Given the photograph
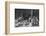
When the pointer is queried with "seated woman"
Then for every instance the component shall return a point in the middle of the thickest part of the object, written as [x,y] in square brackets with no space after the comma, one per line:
[35,21]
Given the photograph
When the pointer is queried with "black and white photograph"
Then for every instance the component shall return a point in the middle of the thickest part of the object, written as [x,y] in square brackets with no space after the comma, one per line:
[26,17]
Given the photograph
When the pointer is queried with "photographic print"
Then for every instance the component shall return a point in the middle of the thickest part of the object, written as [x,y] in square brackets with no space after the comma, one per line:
[23,17]
[26,17]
